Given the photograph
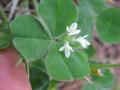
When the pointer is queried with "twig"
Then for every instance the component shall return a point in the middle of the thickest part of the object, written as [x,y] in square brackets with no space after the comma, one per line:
[8,5]
[13,8]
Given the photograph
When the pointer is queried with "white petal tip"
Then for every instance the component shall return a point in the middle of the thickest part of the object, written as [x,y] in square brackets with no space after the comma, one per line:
[67,56]
[67,28]
[74,23]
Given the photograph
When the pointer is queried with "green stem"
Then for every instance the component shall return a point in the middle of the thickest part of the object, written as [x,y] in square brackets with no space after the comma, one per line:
[52,85]
[108,65]
[41,19]
[2,13]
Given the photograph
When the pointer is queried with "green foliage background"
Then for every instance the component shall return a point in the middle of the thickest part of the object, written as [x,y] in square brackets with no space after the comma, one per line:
[35,37]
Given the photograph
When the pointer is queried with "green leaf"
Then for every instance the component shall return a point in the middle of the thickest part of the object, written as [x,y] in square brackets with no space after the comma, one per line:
[53,85]
[108,25]
[106,80]
[99,5]
[61,68]
[87,12]
[30,38]
[94,86]
[5,40]
[91,51]
[38,79]
[4,27]
[85,17]
[27,26]
[31,48]
[57,14]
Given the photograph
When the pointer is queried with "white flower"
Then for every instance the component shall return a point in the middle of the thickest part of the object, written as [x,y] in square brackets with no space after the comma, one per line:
[72,30]
[83,41]
[66,48]
[100,72]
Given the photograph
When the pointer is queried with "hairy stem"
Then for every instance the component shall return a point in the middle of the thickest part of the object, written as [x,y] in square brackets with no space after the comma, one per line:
[109,65]
[105,65]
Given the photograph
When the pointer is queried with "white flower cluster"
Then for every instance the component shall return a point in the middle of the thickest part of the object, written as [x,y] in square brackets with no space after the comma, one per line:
[72,31]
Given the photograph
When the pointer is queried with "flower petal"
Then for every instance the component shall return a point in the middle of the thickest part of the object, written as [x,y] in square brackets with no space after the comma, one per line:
[67,53]
[70,48]
[79,39]
[73,26]
[84,43]
[62,48]
[76,32]
[67,28]
[85,36]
